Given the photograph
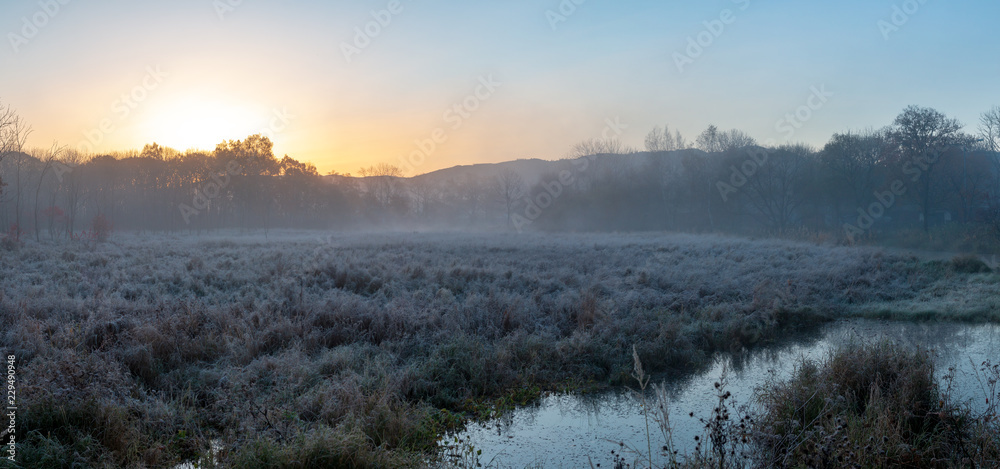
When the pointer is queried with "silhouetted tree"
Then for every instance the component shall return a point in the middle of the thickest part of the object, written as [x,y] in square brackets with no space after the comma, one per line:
[382,183]
[600,146]
[713,140]
[508,189]
[14,133]
[989,129]
[921,137]
[662,140]
[854,166]
[780,186]
[708,140]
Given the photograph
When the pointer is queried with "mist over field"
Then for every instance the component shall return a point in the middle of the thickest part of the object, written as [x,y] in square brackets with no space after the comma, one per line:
[372,234]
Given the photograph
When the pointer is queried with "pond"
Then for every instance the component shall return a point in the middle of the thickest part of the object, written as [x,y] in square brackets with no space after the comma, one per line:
[570,431]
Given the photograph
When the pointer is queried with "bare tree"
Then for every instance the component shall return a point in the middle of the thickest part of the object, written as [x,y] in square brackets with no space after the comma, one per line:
[382,182]
[989,129]
[989,132]
[660,139]
[472,196]
[598,146]
[714,140]
[709,140]
[734,140]
[72,185]
[780,187]
[14,133]
[48,163]
[508,189]
[679,141]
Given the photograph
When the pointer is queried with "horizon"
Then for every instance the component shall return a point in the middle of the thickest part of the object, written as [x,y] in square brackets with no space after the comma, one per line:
[345,86]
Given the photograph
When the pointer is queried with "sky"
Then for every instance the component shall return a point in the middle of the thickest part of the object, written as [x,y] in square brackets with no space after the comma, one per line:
[426,84]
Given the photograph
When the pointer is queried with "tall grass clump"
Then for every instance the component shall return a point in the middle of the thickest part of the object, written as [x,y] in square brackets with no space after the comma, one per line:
[874,405]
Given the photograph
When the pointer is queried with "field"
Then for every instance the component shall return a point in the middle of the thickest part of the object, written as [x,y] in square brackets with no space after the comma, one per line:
[308,349]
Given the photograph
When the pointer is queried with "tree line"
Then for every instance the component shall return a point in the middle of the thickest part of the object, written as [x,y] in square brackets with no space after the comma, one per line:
[920,172]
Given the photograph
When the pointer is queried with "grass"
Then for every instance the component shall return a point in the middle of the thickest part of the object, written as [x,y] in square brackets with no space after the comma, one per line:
[865,405]
[967,238]
[362,350]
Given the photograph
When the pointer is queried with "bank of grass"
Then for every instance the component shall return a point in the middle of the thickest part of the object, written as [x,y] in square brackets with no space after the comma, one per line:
[961,238]
[361,350]
[966,290]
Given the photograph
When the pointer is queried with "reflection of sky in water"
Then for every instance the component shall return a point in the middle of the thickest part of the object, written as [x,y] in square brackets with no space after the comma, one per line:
[561,431]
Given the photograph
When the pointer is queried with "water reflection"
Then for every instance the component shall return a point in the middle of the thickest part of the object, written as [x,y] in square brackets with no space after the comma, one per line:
[563,431]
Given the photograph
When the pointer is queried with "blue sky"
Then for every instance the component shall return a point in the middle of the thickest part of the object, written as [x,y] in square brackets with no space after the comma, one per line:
[228,76]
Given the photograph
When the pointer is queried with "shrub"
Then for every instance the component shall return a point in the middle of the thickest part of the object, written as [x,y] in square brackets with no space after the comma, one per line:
[101,228]
[11,240]
[872,406]
[969,264]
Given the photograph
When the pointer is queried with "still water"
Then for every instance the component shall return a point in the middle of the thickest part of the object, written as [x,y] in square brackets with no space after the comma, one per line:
[571,431]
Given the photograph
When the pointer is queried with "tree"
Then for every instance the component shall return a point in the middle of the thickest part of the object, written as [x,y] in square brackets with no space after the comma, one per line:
[50,161]
[14,133]
[152,150]
[709,140]
[969,180]
[73,185]
[780,186]
[679,141]
[255,164]
[989,132]
[921,136]
[508,189]
[734,140]
[382,183]
[660,140]
[713,140]
[989,129]
[289,166]
[598,146]
[854,162]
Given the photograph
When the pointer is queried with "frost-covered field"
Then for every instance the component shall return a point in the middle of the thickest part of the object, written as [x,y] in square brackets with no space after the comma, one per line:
[311,347]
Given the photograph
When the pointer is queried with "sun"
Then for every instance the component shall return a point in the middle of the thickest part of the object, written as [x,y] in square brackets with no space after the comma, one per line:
[198,122]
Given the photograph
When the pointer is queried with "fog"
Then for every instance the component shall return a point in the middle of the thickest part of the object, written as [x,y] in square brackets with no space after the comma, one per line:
[920,174]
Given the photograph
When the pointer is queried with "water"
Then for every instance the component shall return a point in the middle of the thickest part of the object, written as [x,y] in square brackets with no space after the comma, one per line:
[571,431]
